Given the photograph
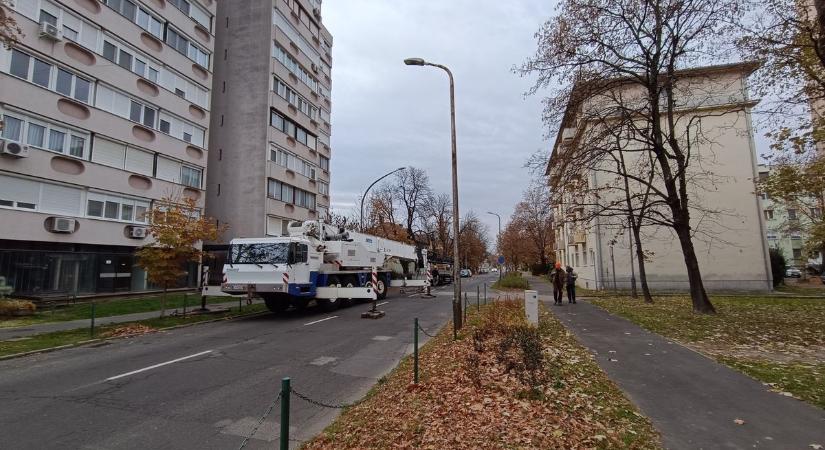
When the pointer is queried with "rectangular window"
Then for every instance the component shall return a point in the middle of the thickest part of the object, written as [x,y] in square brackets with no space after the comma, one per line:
[12,128]
[94,208]
[41,73]
[36,135]
[191,177]
[149,23]
[769,214]
[42,134]
[19,64]
[797,253]
[56,140]
[792,214]
[64,82]
[109,51]
[324,163]
[77,145]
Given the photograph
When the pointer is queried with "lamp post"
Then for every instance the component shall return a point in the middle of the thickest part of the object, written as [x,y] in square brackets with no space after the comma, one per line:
[456,279]
[498,240]
[363,197]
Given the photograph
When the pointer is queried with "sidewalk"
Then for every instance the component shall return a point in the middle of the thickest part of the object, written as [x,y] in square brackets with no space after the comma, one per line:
[22,332]
[691,399]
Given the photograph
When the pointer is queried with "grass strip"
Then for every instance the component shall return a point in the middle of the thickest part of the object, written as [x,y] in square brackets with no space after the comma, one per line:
[47,341]
[107,308]
[472,394]
[775,340]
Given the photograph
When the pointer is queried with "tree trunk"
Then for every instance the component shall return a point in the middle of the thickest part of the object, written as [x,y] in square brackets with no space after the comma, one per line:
[819,5]
[701,302]
[640,256]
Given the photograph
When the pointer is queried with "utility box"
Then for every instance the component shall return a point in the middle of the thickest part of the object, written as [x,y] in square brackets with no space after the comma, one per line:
[531,307]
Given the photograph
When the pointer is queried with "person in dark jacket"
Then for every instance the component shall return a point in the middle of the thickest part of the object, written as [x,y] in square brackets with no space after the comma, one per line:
[571,285]
[557,276]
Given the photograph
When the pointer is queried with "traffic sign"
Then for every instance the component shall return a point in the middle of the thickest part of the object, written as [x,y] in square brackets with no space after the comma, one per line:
[501,259]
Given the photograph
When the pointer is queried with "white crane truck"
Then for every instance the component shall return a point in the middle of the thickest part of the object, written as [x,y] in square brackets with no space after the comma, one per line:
[319,262]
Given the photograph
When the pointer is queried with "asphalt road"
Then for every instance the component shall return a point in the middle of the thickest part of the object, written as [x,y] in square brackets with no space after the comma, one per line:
[206,386]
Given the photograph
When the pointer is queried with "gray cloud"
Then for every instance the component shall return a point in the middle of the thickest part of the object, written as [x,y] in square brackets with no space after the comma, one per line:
[386,115]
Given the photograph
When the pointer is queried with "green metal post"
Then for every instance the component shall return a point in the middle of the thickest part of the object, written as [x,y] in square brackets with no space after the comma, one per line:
[92,330]
[285,394]
[185,298]
[485,293]
[415,352]
[465,306]
[478,298]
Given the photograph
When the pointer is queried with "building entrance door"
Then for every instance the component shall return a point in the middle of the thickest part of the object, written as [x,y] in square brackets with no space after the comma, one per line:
[115,273]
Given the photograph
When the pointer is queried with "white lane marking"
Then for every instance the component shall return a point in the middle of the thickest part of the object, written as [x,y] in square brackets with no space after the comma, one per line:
[379,304]
[157,365]
[317,321]
[322,360]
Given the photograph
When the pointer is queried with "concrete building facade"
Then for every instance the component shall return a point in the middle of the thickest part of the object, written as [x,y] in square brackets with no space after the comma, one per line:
[784,227]
[726,216]
[270,155]
[106,111]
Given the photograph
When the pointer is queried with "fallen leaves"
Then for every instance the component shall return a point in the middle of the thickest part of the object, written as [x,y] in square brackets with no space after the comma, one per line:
[574,406]
[128,330]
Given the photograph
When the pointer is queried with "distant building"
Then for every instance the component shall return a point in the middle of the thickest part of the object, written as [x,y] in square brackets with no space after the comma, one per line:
[730,246]
[785,228]
[106,109]
[271,122]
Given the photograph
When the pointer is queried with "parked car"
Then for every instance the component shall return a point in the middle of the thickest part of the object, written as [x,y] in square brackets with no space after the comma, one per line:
[494,270]
[793,272]
[465,273]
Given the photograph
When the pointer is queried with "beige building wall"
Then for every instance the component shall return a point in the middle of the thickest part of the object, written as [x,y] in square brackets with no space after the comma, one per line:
[725,215]
[111,101]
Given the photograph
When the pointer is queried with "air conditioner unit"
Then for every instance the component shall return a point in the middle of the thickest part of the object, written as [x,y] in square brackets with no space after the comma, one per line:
[314,67]
[49,31]
[317,13]
[14,149]
[62,225]
[137,232]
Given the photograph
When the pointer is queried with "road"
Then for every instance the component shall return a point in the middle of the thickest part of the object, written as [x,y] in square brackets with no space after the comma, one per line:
[206,386]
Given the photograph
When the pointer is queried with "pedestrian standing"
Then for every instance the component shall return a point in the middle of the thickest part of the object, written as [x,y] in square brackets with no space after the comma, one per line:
[571,285]
[557,276]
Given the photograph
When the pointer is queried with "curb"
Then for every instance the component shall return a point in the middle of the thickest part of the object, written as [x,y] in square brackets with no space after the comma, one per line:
[96,340]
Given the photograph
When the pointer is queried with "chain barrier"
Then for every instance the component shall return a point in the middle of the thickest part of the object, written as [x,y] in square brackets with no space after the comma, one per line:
[255,429]
[327,405]
[425,332]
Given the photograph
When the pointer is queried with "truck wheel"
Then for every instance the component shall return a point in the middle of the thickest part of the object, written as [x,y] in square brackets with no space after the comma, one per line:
[381,289]
[299,303]
[276,304]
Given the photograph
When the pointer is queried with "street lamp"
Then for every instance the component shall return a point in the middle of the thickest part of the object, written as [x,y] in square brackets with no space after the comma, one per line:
[363,197]
[456,279]
[498,241]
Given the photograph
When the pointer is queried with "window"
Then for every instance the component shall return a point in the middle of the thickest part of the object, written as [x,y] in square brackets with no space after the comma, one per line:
[797,253]
[324,163]
[190,176]
[180,43]
[128,58]
[295,99]
[816,213]
[289,62]
[23,193]
[142,114]
[796,235]
[125,8]
[769,214]
[323,188]
[48,76]
[114,207]
[792,214]
[149,23]
[292,129]
[290,194]
[45,135]
[182,5]
[48,17]
[181,129]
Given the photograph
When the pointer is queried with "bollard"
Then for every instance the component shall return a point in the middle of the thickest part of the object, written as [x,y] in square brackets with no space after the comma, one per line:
[185,297]
[465,306]
[240,304]
[285,394]
[478,299]
[415,352]
[485,294]
[92,330]
[531,306]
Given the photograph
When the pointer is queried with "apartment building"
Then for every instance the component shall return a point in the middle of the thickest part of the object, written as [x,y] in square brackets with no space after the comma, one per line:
[726,217]
[106,111]
[785,226]
[270,142]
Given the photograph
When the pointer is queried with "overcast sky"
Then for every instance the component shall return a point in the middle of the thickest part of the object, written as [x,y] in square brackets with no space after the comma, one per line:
[387,115]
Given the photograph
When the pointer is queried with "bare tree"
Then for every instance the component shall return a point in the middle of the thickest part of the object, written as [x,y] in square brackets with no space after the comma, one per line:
[437,219]
[413,191]
[534,215]
[596,48]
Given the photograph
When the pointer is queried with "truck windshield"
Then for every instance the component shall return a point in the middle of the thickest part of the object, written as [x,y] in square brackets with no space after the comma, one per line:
[268,253]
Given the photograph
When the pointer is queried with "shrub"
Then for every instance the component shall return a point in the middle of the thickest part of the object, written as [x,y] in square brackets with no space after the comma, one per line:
[512,280]
[540,269]
[778,266]
[10,307]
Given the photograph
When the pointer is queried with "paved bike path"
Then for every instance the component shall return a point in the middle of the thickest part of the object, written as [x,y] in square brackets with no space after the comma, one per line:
[692,400]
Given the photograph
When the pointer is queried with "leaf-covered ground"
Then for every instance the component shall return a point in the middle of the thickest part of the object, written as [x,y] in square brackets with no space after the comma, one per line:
[777,340]
[468,399]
